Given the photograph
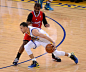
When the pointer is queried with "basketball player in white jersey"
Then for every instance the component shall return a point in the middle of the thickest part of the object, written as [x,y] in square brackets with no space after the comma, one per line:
[40,37]
[35,18]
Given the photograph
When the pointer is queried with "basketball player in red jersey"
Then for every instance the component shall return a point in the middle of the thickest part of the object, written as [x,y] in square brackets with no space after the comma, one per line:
[35,19]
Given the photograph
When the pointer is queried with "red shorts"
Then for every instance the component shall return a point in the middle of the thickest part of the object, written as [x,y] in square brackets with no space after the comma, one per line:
[27,37]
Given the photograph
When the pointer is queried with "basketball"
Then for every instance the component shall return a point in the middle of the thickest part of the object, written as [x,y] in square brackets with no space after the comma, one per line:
[49,48]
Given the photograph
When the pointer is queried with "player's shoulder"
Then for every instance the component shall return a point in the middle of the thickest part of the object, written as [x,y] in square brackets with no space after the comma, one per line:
[31,27]
[41,11]
[32,12]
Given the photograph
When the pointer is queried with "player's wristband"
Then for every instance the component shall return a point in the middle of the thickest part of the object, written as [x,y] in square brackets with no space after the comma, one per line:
[52,42]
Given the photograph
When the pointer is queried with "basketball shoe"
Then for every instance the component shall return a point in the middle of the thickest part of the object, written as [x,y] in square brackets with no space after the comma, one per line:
[15,62]
[57,59]
[48,7]
[34,65]
[73,57]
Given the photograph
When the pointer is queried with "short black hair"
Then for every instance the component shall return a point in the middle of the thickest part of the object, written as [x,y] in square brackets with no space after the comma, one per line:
[37,5]
[24,24]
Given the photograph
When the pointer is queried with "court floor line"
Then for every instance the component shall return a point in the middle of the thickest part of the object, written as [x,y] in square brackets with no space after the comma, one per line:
[46,52]
[65,4]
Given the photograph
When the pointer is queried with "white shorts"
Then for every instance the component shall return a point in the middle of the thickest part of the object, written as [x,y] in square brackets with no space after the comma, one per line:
[36,44]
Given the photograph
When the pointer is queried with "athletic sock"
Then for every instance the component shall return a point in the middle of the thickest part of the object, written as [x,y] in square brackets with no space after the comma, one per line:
[69,54]
[34,59]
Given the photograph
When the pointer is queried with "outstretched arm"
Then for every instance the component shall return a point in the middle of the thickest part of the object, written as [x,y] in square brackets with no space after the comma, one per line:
[35,32]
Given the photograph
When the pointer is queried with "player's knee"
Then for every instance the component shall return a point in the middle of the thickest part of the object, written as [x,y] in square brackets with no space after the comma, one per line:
[27,49]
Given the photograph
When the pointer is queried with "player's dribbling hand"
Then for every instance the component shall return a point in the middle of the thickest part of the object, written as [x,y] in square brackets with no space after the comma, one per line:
[53,44]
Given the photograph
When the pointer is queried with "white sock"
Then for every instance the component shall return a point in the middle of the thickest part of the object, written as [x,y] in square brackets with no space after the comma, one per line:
[34,59]
[69,54]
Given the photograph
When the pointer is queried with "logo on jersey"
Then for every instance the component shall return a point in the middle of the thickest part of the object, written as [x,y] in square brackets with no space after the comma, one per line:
[36,22]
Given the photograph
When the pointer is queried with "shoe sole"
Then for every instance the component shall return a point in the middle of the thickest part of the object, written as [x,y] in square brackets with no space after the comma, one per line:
[34,67]
[15,64]
[58,60]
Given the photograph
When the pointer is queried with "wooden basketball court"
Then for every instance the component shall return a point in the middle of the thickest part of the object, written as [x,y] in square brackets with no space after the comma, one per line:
[67,29]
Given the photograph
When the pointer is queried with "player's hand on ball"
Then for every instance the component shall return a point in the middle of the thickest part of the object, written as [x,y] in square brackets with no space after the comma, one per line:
[54,46]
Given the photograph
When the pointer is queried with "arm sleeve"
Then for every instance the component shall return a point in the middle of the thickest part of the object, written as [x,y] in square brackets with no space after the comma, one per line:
[29,18]
[44,20]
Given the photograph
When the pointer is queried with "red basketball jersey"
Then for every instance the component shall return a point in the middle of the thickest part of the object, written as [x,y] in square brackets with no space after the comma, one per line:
[37,20]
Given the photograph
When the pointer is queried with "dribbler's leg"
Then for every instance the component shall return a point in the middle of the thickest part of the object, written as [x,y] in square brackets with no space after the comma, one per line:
[55,58]
[62,53]
[47,6]
[28,47]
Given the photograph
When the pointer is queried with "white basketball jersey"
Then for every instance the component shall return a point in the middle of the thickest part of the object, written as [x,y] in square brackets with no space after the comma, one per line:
[41,31]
